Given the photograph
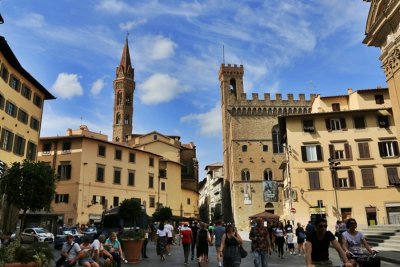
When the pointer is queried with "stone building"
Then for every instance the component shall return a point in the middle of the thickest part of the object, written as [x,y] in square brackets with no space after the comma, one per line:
[343,160]
[22,100]
[252,148]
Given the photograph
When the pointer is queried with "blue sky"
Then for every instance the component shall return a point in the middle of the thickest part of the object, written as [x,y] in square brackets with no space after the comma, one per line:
[294,46]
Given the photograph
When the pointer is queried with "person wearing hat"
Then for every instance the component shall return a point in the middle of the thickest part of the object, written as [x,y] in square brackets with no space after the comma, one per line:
[70,252]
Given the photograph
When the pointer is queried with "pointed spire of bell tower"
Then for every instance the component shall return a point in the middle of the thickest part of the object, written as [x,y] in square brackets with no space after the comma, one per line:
[124,88]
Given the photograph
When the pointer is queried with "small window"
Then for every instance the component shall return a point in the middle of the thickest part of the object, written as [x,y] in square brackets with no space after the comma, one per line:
[22,116]
[117,176]
[118,154]
[313,177]
[66,147]
[363,149]
[31,151]
[151,162]
[4,73]
[367,175]
[7,139]
[151,181]
[61,198]
[162,186]
[383,121]
[393,175]
[131,178]
[101,151]
[152,202]
[359,122]
[265,148]
[245,175]
[100,173]
[34,124]
[308,126]
[379,99]
[335,107]
[15,83]
[335,124]
[19,145]
[46,148]
[188,201]
[268,175]
[26,92]
[64,170]
[116,201]
[37,100]
[132,157]
[244,148]
[11,109]
[155,137]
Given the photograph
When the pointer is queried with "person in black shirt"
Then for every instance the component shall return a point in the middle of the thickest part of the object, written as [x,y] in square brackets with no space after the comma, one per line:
[317,246]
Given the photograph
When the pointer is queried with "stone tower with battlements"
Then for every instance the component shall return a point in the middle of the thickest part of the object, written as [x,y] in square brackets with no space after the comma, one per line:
[252,150]
[124,87]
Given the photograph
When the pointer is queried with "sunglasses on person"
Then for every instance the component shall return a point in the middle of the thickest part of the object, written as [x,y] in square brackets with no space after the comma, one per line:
[322,226]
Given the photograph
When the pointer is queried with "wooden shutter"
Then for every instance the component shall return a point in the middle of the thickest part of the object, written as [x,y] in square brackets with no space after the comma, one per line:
[328,124]
[343,124]
[66,198]
[395,148]
[382,151]
[368,177]
[331,151]
[352,182]
[303,153]
[347,151]
[363,149]
[68,172]
[319,152]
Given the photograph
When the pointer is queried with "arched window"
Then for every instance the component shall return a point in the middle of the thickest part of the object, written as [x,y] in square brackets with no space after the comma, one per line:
[276,140]
[232,86]
[119,98]
[268,175]
[118,119]
[245,175]
[128,99]
[126,119]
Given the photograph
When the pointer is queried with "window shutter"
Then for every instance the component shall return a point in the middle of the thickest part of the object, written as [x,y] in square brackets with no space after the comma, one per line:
[66,198]
[347,151]
[352,181]
[328,124]
[331,151]
[343,124]
[59,170]
[364,150]
[395,148]
[303,153]
[10,141]
[68,172]
[56,199]
[382,151]
[319,152]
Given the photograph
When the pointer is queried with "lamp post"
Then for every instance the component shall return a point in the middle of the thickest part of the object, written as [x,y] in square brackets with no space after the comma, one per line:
[333,166]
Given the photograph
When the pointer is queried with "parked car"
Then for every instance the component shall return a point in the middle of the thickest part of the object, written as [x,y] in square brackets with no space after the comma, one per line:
[36,234]
[60,237]
[91,232]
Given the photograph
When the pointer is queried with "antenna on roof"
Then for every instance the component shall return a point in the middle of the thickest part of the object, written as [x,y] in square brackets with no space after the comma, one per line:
[223,54]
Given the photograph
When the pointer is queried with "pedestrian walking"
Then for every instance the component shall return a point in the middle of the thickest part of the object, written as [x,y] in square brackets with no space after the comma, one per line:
[186,239]
[290,243]
[170,233]
[194,228]
[280,238]
[230,247]
[203,240]
[301,237]
[145,242]
[216,237]
[161,241]
[260,243]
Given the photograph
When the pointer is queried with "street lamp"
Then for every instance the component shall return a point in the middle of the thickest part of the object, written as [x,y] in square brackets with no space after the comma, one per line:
[333,166]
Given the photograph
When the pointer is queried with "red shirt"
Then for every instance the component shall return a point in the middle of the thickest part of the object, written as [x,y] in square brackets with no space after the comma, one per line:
[186,234]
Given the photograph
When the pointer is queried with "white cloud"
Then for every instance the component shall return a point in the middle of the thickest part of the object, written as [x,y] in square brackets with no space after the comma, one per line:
[129,25]
[157,47]
[160,88]
[97,86]
[112,6]
[31,20]
[210,123]
[67,85]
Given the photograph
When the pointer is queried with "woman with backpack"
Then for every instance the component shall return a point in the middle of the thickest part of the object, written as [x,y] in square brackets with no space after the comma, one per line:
[301,237]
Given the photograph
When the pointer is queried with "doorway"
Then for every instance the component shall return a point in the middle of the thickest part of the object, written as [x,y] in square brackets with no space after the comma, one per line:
[371,215]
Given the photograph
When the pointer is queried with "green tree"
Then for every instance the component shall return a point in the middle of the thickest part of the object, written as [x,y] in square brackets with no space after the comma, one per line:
[29,186]
[162,214]
[130,210]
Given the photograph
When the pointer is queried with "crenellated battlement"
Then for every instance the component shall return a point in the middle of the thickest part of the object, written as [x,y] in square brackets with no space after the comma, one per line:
[278,101]
[231,70]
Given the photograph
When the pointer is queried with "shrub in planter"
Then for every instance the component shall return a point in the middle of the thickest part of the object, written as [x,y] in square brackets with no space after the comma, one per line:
[39,253]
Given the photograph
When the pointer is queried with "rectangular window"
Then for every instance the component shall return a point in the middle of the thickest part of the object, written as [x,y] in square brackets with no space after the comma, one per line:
[19,145]
[26,92]
[311,153]
[335,124]
[151,181]
[4,73]
[188,201]
[388,148]
[345,179]
[118,154]
[11,109]
[308,126]
[61,198]
[64,170]
[22,116]
[162,186]
[117,176]
[244,148]
[363,149]
[15,83]
[131,178]
[383,121]
[66,147]
[359,122]
[265,148]
[379,99]
[101,151]
[46,148]
[37,100]
[340,151]
[7,139]
[116,201]
[100,173]
[34,124]
[313,177]
[335,107]
[31,151]
[152,202]
[367,175]
[132,157]
[151,162]
[393,175]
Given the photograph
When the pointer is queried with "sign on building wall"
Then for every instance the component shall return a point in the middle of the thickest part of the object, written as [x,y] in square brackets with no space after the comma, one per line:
[247,194]
[270,189]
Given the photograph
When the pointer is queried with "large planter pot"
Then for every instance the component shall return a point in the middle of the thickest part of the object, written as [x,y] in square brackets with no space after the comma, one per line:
[21,264]
[132,249]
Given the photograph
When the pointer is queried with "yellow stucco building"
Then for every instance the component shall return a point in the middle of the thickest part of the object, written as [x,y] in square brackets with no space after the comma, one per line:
[343,160]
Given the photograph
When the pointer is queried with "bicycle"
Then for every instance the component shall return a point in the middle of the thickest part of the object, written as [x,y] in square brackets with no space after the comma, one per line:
[366,260]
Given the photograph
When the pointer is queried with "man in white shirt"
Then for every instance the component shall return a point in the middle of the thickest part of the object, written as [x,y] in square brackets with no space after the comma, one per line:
[170,231]
[100,255]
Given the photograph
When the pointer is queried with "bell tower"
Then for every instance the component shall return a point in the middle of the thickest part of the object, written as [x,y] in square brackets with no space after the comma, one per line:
[124,87]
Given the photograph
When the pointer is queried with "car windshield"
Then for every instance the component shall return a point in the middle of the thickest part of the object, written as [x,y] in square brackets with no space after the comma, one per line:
[90,230]
[40,231]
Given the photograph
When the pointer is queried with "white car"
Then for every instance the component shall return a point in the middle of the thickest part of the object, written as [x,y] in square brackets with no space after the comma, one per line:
[30,235]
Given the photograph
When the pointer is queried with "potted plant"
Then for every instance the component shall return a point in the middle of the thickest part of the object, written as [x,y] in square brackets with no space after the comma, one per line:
[132,239]
[18,255]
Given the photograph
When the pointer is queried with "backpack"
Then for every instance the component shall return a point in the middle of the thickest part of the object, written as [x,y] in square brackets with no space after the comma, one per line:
[302,235]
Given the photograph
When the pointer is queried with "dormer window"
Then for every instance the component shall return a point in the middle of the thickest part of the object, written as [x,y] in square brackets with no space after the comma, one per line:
[335,107]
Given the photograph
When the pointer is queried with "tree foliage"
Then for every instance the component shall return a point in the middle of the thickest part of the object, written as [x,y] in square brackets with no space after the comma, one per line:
[162,214]
[130,210]
[29,186]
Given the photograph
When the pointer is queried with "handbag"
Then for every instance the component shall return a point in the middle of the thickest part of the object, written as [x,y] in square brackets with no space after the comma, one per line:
[63,259]
[243,252]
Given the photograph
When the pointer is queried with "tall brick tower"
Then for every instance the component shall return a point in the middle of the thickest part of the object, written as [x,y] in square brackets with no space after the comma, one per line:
[124,87]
